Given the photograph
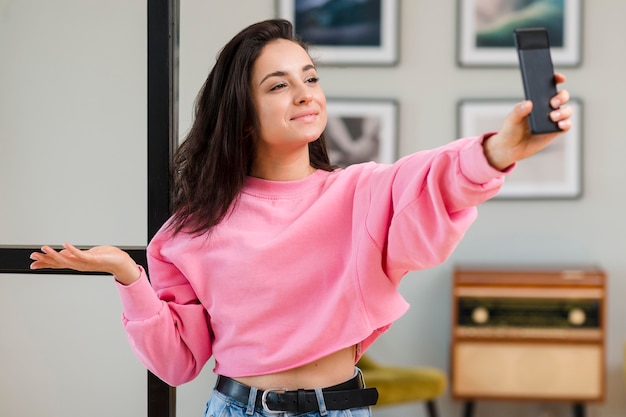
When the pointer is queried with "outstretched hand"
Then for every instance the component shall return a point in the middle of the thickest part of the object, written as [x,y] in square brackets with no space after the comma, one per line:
[515,141]
[108,259]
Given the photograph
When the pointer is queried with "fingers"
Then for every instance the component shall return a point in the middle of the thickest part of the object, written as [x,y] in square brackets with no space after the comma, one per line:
[51,258]
[525,107]
[561,98]
[521,111]
[46,253]
[42,259]
[562,117]
[559,78]
[73,250]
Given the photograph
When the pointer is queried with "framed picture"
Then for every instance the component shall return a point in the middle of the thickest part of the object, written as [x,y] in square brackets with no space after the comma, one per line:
[553,173]
[361,131]
[342,32]
[485,30]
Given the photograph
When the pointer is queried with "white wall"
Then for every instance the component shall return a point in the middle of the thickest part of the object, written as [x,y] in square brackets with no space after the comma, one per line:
[427,83]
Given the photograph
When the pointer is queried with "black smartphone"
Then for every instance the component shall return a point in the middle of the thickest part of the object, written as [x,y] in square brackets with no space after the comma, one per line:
[535,61]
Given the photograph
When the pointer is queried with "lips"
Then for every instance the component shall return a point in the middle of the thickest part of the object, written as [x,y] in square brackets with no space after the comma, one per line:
[305,115]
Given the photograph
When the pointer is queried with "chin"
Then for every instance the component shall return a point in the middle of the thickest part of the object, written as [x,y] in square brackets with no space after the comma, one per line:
[311,137]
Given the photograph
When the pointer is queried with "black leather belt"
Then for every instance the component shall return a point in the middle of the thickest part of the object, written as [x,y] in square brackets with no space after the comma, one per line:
[349,394]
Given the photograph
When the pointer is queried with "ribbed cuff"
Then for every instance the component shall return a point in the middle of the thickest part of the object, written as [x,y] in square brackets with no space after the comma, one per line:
[474,164]
[139,300]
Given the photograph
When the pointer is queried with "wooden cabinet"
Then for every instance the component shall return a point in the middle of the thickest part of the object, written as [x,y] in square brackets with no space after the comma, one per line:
[528,334]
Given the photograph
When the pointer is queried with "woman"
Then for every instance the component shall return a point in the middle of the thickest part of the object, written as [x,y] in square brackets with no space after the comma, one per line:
[280,266]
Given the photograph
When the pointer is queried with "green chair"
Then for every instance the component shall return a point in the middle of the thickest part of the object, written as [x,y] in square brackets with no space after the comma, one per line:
[398,385]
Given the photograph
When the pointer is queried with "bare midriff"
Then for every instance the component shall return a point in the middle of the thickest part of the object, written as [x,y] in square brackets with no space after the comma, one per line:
[325,372]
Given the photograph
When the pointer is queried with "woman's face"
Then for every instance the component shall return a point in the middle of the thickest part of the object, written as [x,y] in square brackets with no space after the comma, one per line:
[289,101]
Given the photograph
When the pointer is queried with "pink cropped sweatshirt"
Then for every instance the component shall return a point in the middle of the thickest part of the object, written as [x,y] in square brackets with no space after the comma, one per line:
[301,269]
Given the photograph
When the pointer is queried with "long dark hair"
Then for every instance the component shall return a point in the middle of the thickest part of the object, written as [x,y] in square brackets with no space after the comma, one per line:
[211,165]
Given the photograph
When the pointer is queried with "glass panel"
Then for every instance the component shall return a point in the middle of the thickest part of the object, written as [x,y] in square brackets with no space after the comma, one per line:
[73,122]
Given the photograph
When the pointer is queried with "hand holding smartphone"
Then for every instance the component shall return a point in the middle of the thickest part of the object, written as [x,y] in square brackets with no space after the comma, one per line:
[533,49]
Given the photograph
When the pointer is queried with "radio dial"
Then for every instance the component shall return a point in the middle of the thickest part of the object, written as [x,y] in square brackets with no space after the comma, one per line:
[480,315]
[576,316]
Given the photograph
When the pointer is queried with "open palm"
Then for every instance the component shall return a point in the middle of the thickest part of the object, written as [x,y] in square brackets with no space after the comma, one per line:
[108,259]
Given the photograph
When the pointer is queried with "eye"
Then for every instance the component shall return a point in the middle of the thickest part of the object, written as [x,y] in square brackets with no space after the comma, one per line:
[312,80]
[278,86]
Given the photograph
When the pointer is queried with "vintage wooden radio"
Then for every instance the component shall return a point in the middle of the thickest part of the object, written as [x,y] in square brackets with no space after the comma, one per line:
[528,333]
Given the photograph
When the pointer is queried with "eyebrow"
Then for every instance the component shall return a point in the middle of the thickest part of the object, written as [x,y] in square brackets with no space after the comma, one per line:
[283,73]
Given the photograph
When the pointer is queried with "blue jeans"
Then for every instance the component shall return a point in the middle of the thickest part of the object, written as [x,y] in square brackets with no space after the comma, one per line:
[220,405]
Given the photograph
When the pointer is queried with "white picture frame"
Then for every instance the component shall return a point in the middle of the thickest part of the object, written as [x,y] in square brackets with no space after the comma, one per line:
[366,34]
[485,31]
[553,173]
[361,130]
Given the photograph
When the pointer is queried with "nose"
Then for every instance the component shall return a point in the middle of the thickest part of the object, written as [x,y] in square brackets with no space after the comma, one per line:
[303,95]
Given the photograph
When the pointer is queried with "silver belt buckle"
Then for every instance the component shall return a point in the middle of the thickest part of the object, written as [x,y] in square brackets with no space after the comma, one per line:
[264,399]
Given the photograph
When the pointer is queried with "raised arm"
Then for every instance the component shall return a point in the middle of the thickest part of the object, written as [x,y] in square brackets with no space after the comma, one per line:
[515,140]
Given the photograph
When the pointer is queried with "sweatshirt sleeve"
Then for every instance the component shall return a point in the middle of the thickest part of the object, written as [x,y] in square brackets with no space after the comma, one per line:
[421,206]
[166,325]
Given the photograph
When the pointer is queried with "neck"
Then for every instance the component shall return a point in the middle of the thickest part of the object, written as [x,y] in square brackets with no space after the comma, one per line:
[295,167]
[282,173]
